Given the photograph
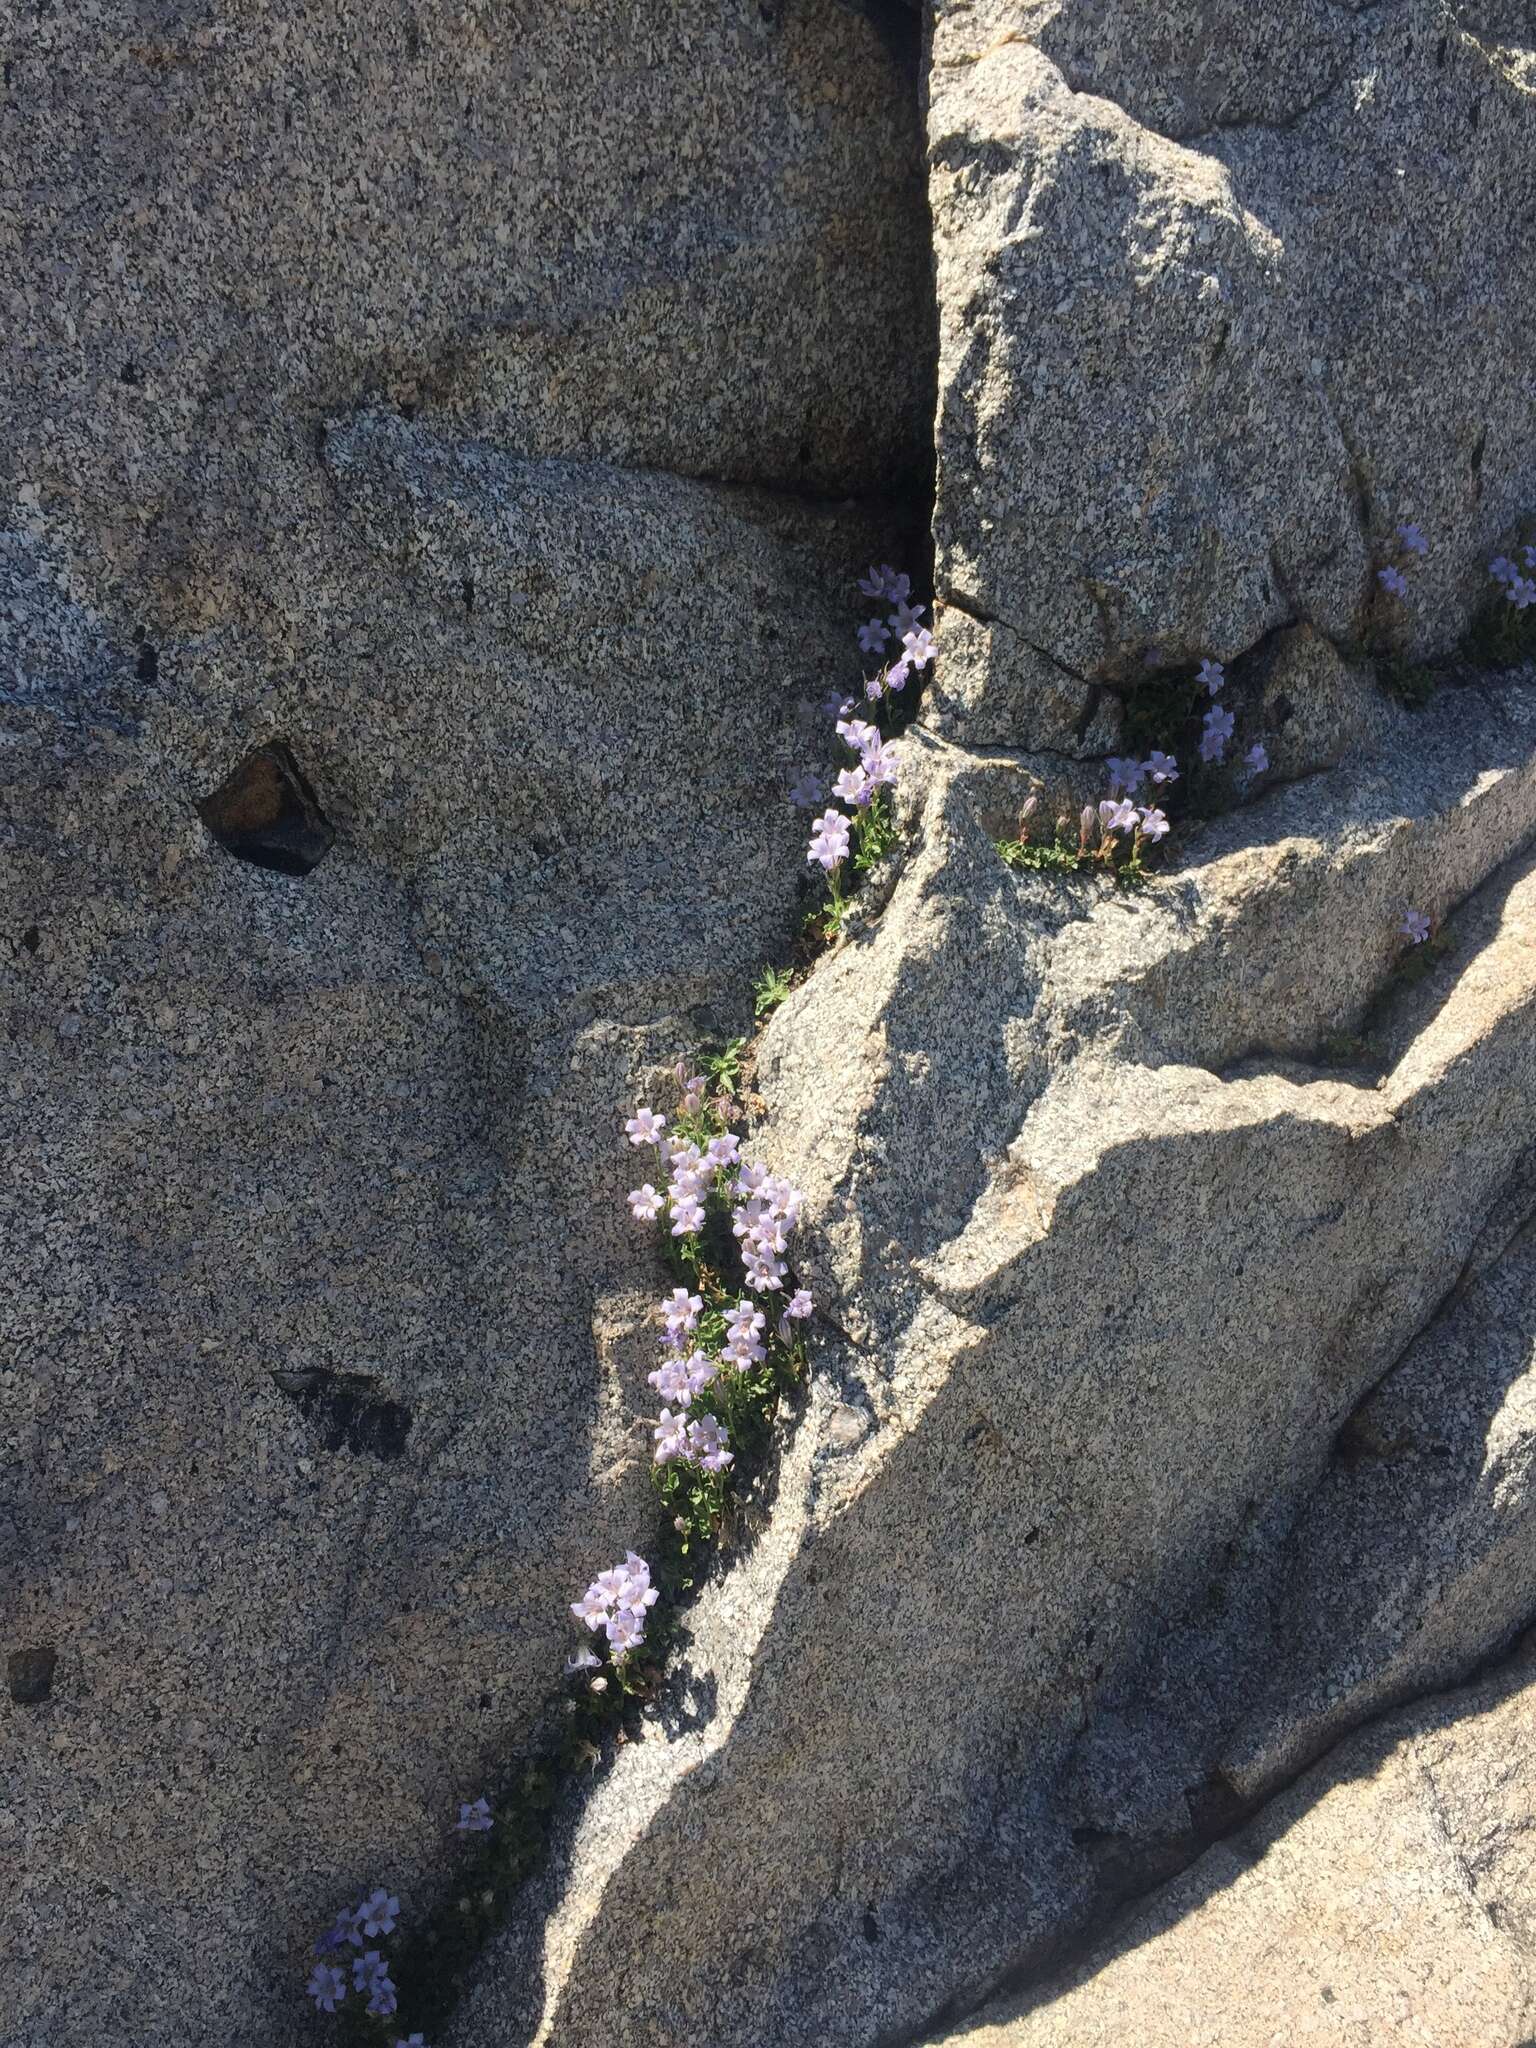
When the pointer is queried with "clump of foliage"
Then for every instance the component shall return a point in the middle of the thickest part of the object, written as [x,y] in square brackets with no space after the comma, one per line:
[1503,634]
[772,987]
[1106,841]
[856,832]
[723,1068]
[1111,837]
[1410,683]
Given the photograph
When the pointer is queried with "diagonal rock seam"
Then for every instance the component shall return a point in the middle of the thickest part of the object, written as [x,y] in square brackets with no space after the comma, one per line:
[1119,1915]
[968,1159]
[419,501]
[933,858]
[1145,1307]
[1162,1865]
[1241,1808]
[1158,1866]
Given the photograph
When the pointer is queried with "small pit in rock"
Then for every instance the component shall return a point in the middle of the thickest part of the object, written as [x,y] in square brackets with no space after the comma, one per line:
[30,1674]
[267,814]
[346,1412]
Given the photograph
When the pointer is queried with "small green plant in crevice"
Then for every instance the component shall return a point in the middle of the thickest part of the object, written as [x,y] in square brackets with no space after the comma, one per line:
[432,1957]
[772,987]
[1108,841]
[385,1992]
[1408,682]
[723,1068]
[1114,836]
[874,831]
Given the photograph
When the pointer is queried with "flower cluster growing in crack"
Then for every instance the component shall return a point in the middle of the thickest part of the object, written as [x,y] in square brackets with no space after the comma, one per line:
[1217,727]
[732,1344]
[1113,835]
[1398,672]
[727,1346]
[366,1976]
[328,1985]
[863,830]
[1218,724]
[1519,588]
[617,1602]
[1411,545]
[1104,833]
[1502,633]
[904,624]
[1109,835]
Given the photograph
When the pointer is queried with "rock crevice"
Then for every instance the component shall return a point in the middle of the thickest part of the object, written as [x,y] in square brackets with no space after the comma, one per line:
[509,463]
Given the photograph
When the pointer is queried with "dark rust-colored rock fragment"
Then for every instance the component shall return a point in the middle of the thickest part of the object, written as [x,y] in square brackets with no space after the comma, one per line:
[30,1674]
[267,813]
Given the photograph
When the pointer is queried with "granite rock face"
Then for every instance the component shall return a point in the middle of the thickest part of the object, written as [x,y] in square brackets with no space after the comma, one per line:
[1386,1898]
[1116,1249]
[1224,296]
[551,228]
[322,1357]
[362,366]
[438,442]
[1409,1567]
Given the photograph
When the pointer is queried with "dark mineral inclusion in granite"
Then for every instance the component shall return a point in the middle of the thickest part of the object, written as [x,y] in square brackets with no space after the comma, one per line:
[29,1674]
[347,1411]
[267,813]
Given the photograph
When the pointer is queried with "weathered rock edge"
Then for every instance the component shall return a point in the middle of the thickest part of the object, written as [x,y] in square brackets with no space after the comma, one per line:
[1132,1089]
[1385,1898]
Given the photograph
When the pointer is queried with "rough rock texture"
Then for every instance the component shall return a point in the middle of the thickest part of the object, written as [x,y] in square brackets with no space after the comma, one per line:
[357,1124]
[548,222]
[1409,1565]
[1116,1253]
[467,398]
[1385,1902]
[1416,1550]
[1224,295]
[318,1365]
